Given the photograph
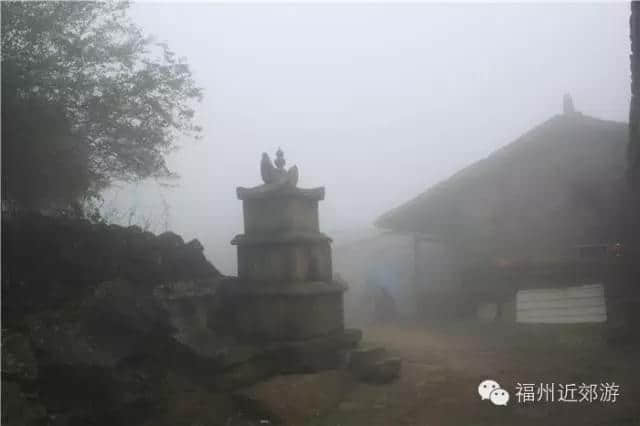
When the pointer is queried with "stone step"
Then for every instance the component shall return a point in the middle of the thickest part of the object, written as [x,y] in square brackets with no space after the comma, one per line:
[364,357]
[387,370]
[374,365]
[380,372]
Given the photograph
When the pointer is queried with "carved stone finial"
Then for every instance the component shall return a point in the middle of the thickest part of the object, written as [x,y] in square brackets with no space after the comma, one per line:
[277,175]
[567,104]
[280,161]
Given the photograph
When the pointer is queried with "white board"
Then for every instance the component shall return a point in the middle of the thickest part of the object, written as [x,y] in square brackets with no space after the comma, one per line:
[562,305]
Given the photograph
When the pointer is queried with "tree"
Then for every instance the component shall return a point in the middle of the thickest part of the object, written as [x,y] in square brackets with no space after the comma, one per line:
[86,99]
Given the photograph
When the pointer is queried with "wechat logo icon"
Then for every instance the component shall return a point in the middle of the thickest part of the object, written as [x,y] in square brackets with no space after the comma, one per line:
[491,390]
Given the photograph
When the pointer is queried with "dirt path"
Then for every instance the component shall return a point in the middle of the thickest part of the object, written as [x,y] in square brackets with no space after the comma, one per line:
[441,371]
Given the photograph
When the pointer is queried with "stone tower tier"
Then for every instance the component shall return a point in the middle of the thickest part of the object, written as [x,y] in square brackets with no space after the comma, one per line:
[273,208]
[284,257]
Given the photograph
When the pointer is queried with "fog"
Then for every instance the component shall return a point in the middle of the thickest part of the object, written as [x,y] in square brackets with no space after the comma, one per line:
[374,102]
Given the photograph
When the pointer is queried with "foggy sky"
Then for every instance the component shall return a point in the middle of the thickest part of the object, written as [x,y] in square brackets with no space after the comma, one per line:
[374,102]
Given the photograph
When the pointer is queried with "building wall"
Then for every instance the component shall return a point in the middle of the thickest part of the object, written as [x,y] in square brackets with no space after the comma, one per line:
[418,278]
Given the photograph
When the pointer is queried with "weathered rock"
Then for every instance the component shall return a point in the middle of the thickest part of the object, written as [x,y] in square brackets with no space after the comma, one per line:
[247,373]
[19,407]
[195,246]
[18,359]
[120,303]
[109,366]
[384,371]
[51,261]
[372,365]
[363,357]
[170,240]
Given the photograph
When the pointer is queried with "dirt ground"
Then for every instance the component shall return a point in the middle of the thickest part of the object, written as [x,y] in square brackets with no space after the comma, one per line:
[442,367]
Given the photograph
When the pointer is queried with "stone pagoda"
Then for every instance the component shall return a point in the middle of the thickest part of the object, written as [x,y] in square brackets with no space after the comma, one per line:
[285,278]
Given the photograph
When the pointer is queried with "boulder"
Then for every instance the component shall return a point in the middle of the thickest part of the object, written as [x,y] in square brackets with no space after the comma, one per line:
[170,240]
[373,365]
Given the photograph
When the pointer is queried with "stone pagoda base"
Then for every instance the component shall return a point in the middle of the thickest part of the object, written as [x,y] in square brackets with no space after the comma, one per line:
[287,312]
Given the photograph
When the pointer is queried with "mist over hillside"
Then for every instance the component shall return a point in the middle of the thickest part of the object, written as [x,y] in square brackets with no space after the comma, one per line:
[375,102]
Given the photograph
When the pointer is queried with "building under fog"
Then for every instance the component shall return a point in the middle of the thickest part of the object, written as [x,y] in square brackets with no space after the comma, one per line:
[520,219]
